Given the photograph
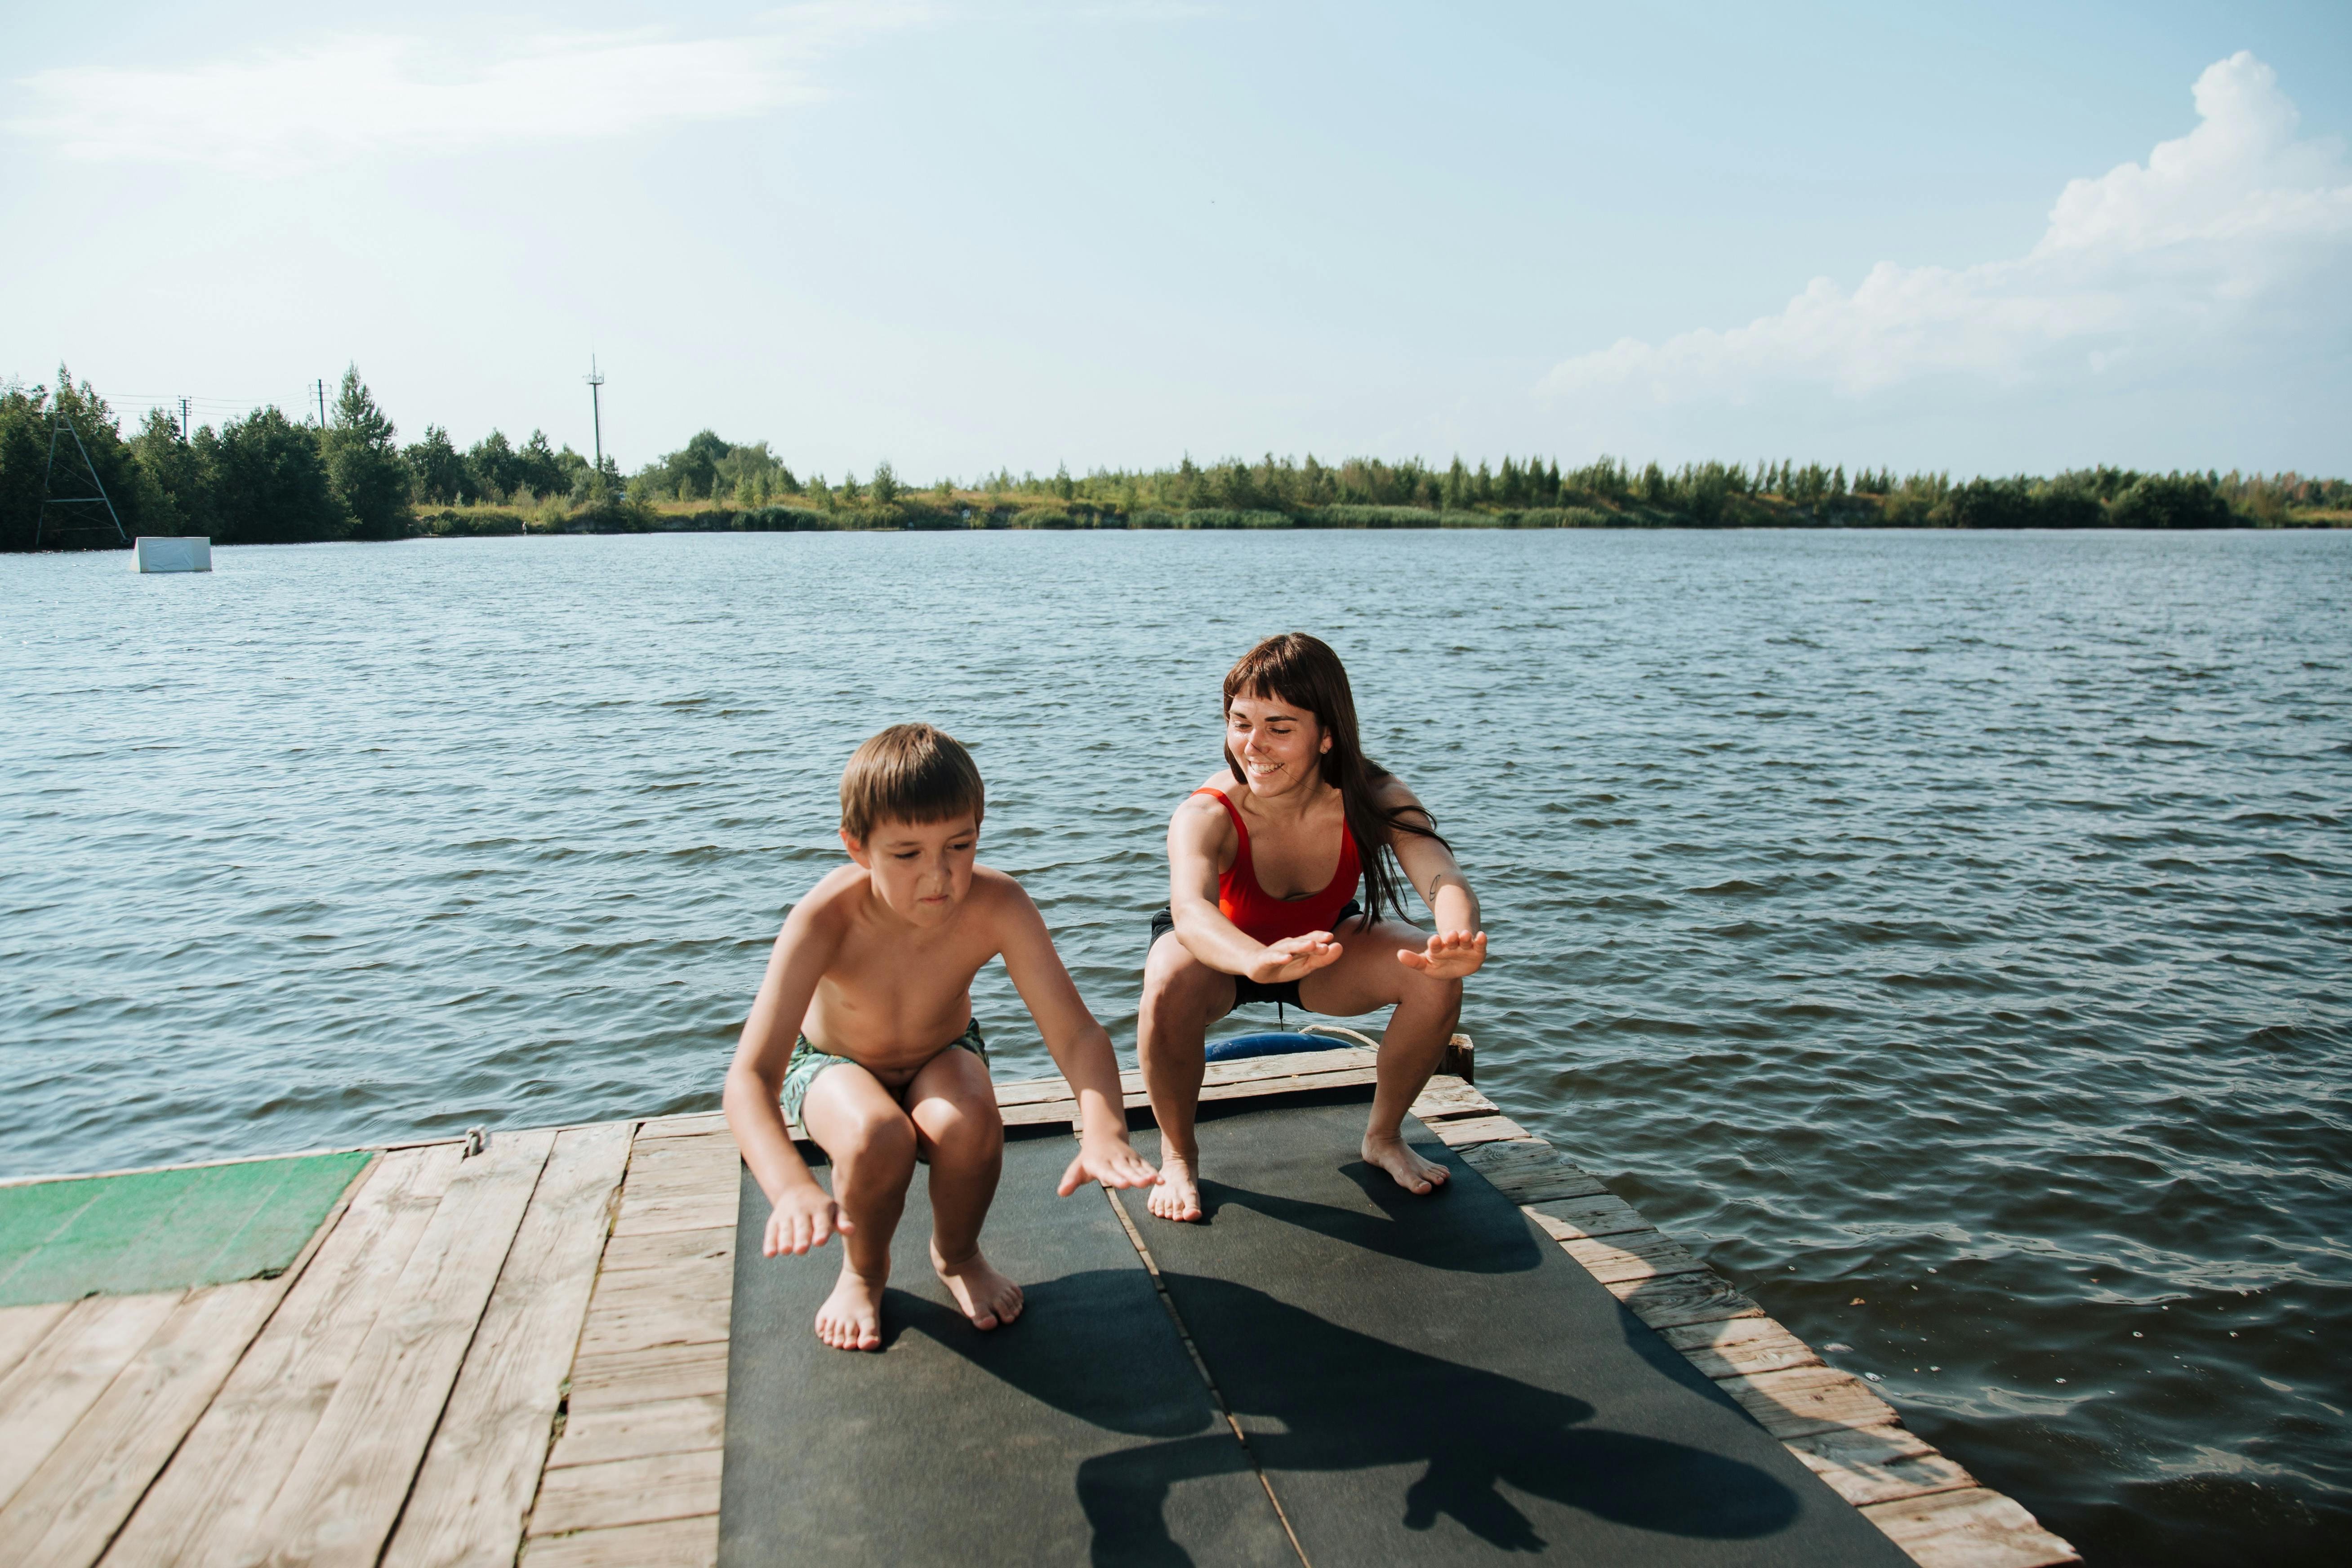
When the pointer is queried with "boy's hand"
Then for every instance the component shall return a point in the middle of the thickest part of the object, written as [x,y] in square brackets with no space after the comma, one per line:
[1450,955]
[803,1217]
[1113,1162]
[1293,956]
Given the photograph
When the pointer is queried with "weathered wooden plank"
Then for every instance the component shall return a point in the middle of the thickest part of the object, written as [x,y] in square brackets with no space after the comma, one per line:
[1530,1172]
[478,1476]
[1806,1399]
[42,1399]
[601,1433]
[1039,1112]
[1445,1096]
[680,1318]
[340,1499]
[70,1509]
[702,1152]
[672,1543]
[628,1491]
[1624,1260]
[1877,1464]
[1576,1219]
[1252,1070]
[210,1498]
[1291,1083]
[645,1216]
[640,1377]
[22,1328]
[1975,1528]
[702,1274]
[691,1153]
[693,1124]
[1671,1300]
[667,1249]
[1739,1347]
[681,1185]
[1465,1131]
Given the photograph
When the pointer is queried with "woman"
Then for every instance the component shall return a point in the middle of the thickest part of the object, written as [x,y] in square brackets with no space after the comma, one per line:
[1263,860]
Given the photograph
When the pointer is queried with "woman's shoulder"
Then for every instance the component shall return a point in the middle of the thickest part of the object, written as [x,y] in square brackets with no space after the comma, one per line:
[1222,781]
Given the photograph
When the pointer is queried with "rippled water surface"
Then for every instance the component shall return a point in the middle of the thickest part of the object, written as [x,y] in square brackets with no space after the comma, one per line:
[1947,934]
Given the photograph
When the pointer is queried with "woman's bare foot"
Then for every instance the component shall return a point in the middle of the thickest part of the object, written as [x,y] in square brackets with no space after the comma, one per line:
[1412,1172]
[1178,1196]
[986,1297]
[851,1318]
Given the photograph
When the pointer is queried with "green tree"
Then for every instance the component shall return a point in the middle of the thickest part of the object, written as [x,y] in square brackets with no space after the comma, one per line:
[270,485]
[176,477]
[442,475]
[492,460]
[884,483]
[363,462]
[538,467]
[2173,501]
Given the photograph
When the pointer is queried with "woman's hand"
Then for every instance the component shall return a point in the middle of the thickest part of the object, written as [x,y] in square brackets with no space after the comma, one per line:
[1113,1162]
[1295,955]
[1450,955]
[803,1217]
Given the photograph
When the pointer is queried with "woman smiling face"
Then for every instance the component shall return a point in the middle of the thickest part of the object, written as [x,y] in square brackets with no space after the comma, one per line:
[1278,744]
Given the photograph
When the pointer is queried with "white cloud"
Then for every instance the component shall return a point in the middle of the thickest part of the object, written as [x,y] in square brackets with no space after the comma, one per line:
[354,96]
[2236,216]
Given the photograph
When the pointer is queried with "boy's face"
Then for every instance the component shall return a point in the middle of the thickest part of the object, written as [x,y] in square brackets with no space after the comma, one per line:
[1280,745]
[922,871]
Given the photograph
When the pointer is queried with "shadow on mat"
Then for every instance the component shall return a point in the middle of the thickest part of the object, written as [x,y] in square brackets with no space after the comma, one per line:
[1350,1402]
[1415,1226]
[1067,1350]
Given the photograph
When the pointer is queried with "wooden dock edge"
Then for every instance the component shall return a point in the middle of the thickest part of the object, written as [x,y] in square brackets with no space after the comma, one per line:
[575,1293]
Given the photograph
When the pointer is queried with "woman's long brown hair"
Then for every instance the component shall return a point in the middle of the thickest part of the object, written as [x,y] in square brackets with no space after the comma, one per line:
[1304,672]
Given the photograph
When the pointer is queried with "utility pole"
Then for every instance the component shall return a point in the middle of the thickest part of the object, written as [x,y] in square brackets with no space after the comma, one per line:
[321,385]
[183,420]
[596,409]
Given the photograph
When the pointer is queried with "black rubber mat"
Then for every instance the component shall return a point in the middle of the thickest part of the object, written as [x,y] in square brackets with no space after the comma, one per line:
[1081,1433]
[1430,1380]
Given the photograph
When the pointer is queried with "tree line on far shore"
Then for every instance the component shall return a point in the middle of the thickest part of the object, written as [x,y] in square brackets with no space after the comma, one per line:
[265,479]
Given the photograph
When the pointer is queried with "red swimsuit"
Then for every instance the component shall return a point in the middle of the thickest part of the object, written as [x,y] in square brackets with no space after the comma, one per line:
[1265,918]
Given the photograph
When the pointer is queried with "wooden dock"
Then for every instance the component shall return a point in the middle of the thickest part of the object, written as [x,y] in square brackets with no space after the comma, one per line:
[521,1354]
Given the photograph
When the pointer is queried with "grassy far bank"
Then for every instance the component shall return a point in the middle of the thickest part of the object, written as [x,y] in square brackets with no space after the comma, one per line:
[265,479]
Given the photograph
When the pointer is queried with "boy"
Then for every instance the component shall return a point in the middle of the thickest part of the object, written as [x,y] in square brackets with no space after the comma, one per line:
[863,1029]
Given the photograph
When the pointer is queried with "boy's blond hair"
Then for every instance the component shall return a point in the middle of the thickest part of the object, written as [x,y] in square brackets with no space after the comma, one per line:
[908,773]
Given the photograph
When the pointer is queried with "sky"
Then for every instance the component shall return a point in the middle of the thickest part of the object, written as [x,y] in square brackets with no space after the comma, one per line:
[1996,238]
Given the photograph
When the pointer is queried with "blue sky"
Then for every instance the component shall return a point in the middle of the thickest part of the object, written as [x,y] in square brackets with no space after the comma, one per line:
[964,235]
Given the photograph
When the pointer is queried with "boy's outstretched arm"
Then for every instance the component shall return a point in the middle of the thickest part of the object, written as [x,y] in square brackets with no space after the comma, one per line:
[1081,1048]
[803,1213]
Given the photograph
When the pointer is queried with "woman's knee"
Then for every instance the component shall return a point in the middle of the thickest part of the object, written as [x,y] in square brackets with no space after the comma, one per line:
[1428,992]
[1178,985]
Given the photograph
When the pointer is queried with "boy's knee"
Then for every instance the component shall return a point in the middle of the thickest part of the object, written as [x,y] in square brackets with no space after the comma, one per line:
[964,1131]
[887,1138]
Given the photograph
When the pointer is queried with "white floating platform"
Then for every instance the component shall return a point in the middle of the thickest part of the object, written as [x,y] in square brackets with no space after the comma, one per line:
[167,554]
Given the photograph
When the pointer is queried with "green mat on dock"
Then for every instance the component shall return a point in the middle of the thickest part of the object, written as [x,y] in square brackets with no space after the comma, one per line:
[164,1230]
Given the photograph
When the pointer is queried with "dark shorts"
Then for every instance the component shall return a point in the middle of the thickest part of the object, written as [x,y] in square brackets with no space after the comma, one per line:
[1247,992]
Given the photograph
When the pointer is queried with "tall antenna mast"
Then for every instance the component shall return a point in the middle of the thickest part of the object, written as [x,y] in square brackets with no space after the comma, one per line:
[596,409]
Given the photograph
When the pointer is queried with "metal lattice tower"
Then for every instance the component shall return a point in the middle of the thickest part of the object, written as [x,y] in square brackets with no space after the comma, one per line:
[61,422]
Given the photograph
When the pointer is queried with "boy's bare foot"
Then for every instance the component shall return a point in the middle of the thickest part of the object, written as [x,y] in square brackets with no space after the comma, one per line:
[851,1318]
[1413,1172]
[986,1297]
[1178,1196]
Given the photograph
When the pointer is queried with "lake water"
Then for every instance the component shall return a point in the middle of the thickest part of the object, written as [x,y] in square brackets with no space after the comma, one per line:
[1945,934]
